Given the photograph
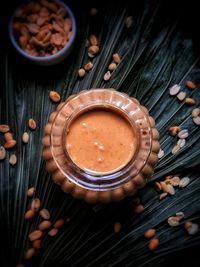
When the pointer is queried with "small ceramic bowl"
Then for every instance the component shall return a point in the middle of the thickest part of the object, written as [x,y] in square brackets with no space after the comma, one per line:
[50,59]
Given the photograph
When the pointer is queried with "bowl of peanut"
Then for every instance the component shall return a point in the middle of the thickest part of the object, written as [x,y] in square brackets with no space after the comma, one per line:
[43,31]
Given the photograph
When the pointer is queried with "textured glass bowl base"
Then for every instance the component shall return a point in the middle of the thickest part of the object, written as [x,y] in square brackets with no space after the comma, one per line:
[100,188]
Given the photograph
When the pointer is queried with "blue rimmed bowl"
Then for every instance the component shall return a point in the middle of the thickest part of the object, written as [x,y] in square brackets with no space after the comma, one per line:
[50,59]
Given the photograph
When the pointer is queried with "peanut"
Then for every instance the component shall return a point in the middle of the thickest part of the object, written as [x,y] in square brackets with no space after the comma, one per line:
[112,67]
[36,244]
[2,153]
[35,235]
[35,205]
[153,244]
[25,137]
[29,253]
[4,128]
[32,124]
[116,58]
[117,227]
[53,232]
[138,209]
[10,144]
[174,130]
[54,96]
[88,66]
[150,233]
[190,85]
[81,73]
[31,192]
[93,39]
[13,159]
[189,101]
[43,28]
[93,50]
[44,213]
[59,223]
[8,136]
[44,225]
[29,214]
[107,76]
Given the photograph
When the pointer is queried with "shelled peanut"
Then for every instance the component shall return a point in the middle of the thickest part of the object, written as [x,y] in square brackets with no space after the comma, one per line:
[42,27]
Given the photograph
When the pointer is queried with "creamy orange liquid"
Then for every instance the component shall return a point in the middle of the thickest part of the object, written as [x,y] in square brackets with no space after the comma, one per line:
[100,141]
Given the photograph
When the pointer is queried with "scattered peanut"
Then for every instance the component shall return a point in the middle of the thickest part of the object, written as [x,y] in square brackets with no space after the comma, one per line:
[193,229]
[195,112]
[10,144]
[171,190]
[54,96]
[190,101]
[181,96]
[81,73]
[181,142]
[112,67]
[36,244]
[164,187]
[175,181]
[138,209]
[8,136]
[174,130]
[169,177]
[25,137]
[88,66]
[175,149]
[29,253]
[173,90]
[161,153]
[35,235]
[190,85]
[183,134]
[29,214]
[32,124]
[129,22]
[149,233]
[13,159]
[153,244]
[4,128]
[53,232]
[196,120]
[163,195]
[93,39]
[180,215]
[187,225]
[31,192]
[157,186]
[117,227]
[107,76]
[2,153]
[116,58]
[173,221]
[59,223]
[44,225]
[35,205]
[184,182]
[44,213]
[93,50]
